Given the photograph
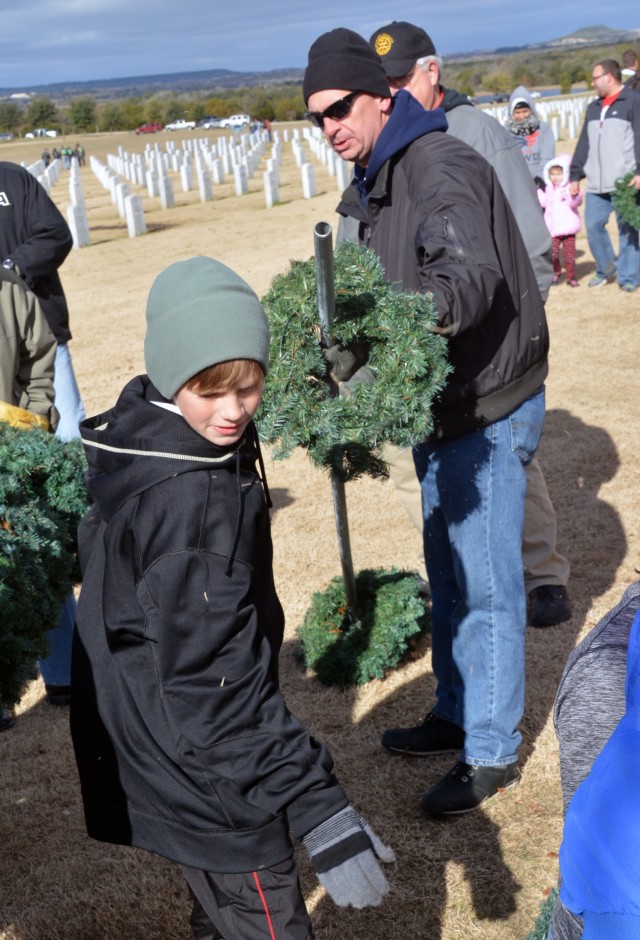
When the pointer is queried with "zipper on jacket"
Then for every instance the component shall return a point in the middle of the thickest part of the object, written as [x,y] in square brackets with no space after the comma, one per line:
[449,234]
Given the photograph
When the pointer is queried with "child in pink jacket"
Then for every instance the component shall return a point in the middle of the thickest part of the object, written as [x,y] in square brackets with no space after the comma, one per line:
[561,215]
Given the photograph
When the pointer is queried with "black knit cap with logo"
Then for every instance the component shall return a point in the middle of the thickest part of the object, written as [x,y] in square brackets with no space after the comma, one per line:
[400,45]
[343,60]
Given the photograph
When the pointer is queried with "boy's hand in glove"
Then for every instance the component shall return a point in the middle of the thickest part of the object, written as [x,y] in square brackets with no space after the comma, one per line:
[343,852]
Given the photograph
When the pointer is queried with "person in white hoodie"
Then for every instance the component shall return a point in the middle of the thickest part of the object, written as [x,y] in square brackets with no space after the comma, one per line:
[561,215]
[535,135]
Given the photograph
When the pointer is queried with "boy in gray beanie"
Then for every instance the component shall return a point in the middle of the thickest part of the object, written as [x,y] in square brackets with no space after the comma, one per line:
[184,744]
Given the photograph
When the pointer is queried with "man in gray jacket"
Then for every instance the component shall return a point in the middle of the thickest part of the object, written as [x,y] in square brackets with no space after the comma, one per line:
[410,61]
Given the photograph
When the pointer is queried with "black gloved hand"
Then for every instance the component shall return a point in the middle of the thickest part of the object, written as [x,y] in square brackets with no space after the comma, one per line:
[540,183]
[345,360]
[344,852]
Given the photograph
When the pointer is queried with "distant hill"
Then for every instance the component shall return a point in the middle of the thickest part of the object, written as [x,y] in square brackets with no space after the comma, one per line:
[220,79]
[178,82]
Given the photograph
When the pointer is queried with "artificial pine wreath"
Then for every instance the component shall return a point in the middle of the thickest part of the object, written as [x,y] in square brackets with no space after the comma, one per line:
[42,499]
[341,652]
[299,405]
[626,201]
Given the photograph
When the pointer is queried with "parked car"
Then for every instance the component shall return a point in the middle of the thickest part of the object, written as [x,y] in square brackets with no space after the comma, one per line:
[6,135]
[151,128]
[235,121]
[180,125]
[211,122]
[41,132]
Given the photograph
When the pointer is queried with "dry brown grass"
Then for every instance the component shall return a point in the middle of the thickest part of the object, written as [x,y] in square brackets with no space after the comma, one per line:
[481,875]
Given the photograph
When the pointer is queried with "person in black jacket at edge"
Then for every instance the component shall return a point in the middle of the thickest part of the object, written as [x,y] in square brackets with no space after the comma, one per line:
[434,212]
[34,242]
[184,744]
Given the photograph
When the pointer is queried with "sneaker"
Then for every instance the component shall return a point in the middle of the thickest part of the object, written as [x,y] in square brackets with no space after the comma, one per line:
[548,605]
[466,787]
[556,279]
[573,283]
[59,695]
[434,736]
[629,288]
[597,281]
[7,718]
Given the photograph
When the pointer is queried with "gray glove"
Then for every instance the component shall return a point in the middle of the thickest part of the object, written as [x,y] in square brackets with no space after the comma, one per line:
[343,852]
[345,360]
[364,376]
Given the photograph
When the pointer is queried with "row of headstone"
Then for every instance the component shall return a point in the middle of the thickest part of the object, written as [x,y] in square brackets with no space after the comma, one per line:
[129,206]
[77,211]
[47,176]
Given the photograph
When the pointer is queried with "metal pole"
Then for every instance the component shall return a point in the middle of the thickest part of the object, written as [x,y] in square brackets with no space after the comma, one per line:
[326,308]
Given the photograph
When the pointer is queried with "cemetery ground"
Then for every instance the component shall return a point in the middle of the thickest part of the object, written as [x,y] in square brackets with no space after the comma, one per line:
[481,875]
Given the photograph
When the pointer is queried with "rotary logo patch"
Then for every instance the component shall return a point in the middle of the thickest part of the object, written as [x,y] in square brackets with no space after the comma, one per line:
[383,44]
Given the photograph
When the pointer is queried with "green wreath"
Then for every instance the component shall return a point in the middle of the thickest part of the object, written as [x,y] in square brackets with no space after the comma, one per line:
[393,617]
[409,361]
[626,201]
[42,499]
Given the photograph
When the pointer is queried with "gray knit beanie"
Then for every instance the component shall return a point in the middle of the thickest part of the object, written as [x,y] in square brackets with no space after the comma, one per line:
[199,313]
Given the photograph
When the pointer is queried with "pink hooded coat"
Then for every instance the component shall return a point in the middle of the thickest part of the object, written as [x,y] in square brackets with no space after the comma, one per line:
[560,207]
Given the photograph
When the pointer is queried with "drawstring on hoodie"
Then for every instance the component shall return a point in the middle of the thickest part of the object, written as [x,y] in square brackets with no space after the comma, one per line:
[263,479]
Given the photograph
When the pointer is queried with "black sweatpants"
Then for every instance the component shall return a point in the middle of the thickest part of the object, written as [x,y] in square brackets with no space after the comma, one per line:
[257,905]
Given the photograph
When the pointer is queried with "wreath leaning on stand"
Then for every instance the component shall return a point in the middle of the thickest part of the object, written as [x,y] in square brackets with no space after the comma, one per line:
[299,405]
[626,201]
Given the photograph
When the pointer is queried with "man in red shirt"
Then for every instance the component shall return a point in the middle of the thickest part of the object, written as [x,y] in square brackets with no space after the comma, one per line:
[608,149]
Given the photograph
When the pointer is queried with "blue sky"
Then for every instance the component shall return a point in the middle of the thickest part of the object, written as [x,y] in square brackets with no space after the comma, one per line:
[48,41]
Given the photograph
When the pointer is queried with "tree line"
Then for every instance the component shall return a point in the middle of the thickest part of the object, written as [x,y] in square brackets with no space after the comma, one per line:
[567,69]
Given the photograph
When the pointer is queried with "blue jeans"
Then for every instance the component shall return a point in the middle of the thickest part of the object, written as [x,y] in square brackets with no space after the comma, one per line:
[56,668]
[67,396]
[598,209]
[473,491]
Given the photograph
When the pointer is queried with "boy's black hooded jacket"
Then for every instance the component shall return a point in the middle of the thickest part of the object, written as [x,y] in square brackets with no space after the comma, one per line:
[433,211]
[183,741]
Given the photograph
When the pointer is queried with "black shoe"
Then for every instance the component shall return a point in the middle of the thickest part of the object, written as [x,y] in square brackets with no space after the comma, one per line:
[465,787]
[59,695]
[434,736]
[548,605]
[7,718]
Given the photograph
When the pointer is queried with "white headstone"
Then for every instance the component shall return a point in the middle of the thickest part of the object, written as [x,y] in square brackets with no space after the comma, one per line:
[166,193]
[135,216]
[217,171]
[241,179]
[308,180]
[204,185]
[271,194]
[79,225]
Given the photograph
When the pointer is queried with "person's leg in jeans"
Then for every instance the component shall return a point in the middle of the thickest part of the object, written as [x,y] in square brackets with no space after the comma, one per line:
[628,255]
[257,905]
[596,215]
[474,489]
[56,667]
[542,563]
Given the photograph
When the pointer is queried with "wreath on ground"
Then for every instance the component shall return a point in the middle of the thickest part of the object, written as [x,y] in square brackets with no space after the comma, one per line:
[626,201]
[408,360]
[392,616]
[42,499]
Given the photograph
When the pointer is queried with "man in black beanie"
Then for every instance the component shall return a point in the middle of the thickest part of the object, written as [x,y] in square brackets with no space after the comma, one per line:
[433,211]
[410,61]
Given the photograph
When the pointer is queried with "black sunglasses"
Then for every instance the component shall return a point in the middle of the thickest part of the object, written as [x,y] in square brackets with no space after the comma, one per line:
[336,111]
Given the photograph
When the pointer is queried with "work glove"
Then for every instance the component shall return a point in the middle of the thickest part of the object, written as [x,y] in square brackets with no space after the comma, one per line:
[364,376]
[344,361]
[343,852]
